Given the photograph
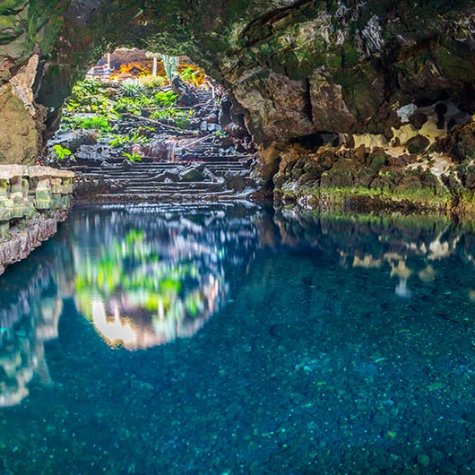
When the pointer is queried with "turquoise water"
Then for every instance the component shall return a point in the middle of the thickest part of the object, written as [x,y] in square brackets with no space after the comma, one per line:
[233,340]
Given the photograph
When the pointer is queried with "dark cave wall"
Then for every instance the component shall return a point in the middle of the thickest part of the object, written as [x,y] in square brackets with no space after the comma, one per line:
[298,68]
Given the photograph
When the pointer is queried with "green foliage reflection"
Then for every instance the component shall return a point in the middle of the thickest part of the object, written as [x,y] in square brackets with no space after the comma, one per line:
[136,297]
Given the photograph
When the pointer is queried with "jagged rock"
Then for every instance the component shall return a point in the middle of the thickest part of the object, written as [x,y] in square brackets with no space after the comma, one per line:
[19,137]
[461,143]
[417,144]
[329,111]
[418,120]
[186,94]
[74,139]
[194,173]
[232,117]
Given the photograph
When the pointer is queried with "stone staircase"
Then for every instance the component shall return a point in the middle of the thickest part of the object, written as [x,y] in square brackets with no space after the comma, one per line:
[210,178]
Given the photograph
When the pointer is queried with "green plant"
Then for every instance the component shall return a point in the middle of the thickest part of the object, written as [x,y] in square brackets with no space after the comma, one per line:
[131,88]
[137,137]
[133,157]
[133,105]
[61,152]
[88,96]
[171,113]
[127,104]
[94,122]
[188,74]
[165,98]
[119,141]
[220,134]
[152,82]
[171,66]
[183,122]
[86,88]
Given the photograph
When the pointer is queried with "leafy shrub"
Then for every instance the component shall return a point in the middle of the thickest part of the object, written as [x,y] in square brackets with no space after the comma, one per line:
[133,157]
[220,134]
[165,98]
[183,122]
[192,75]
[88,87]
[119,141]
[95,122]
[133,105]
[136,137]
[127,104]
[61,152]
[131,88]
[152,82]
[171,113]
[87,96]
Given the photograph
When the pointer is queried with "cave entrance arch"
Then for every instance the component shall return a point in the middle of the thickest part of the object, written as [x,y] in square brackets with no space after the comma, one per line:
[144,126]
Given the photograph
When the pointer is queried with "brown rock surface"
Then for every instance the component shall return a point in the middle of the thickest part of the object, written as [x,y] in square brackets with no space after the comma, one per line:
[23,242]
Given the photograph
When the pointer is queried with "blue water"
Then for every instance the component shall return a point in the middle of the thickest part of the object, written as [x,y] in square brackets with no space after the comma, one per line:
[232,340]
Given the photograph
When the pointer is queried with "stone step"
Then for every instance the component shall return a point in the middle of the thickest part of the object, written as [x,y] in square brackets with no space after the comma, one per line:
[141,178]
[196,157]
[168,190]
[168,197]
[152,175]
[168,166]
[157,168]
[159,181]
[179,185]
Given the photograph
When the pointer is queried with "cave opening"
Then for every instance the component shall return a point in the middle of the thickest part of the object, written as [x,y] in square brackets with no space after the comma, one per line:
[142,126]
[174,323]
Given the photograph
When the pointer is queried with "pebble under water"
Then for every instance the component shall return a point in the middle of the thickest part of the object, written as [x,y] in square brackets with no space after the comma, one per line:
[232,339]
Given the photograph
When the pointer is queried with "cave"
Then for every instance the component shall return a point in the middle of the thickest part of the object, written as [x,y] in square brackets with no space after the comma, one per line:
[237,236]
[376,76]
[143,127]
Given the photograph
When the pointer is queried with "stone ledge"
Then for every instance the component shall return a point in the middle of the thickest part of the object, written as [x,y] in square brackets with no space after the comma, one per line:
[11,171]
[23,241]
[32,201]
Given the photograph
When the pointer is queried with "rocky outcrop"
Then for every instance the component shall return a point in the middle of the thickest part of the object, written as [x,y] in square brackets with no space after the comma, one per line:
[362,71]
[425,165]
[32,201]
[23,241]
[21,121]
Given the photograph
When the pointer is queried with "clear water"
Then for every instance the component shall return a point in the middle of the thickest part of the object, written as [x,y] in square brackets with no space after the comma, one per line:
[230,340]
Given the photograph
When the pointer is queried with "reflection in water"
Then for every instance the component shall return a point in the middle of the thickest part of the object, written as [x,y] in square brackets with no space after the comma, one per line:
[141,276]
[406,249]
[146,276]
[30,307]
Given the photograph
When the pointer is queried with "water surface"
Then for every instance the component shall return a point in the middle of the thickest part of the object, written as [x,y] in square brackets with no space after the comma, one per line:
[232,340]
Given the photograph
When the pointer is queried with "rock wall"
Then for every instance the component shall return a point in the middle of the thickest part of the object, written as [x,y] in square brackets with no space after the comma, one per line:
[348,73]
[32,201]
